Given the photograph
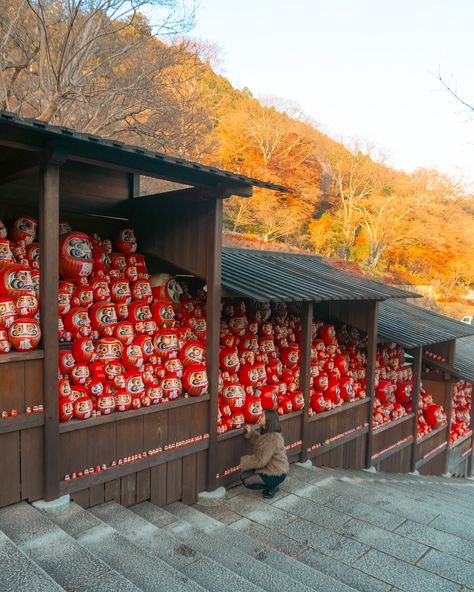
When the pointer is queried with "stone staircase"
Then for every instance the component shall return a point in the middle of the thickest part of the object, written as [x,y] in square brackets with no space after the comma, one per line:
[326,530]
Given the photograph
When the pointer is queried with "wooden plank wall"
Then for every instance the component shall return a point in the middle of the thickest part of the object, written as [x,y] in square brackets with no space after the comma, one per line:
[171,481]
[21,451]
[347,456]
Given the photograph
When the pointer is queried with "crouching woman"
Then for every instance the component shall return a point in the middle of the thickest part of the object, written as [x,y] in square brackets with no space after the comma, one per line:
[268,466]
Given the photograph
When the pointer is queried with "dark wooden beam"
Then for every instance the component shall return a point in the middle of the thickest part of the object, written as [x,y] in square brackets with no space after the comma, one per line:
[213,320]
[49,263]
[12,169]
[305,371]
[372,322]
[415,398]
[133,185]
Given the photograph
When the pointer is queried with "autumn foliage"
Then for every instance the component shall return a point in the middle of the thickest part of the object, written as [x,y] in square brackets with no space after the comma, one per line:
[98,67]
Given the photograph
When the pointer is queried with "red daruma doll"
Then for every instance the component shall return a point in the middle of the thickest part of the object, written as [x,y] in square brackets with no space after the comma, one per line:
[195,380]
[16,280]
[103,317]
[24,229]
[125,241]
[7,311]
[77,322]
[75,256]
[24,334]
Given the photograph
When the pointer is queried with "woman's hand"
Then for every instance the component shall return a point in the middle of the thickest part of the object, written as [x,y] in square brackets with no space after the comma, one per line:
[248,429]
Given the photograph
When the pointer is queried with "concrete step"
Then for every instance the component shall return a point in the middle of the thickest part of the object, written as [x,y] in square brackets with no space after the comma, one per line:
[157,541]
[221,551]
[273,549]
[144,570]
[18,573]
[58,554]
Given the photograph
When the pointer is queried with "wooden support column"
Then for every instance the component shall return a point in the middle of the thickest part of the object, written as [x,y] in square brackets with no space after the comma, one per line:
[415,397]
[448,408]
[133,185]
[49,265]
[469,460]
[372,322]
[213,320]
[305,371]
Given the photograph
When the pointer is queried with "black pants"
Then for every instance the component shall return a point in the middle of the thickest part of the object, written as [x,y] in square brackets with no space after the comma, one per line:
[255,480]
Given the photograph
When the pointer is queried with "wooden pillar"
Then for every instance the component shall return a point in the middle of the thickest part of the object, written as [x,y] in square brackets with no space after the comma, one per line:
[49,265]
[372,322]
[448,408]
[415,398]
[213,319]
[133,185]
[305,370]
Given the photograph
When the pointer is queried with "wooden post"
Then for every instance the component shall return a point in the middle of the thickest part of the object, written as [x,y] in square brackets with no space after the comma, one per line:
[415,398]
[133,185]
[213,320]
[448,388]
[469,459]
[370,376]
[305,371]
[49,265]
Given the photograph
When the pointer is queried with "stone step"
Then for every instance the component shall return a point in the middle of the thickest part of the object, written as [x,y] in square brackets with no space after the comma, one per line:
[145,571]
[68,563]
[157,541]
[278,551]
[300,556]
[18,573]
[222,552]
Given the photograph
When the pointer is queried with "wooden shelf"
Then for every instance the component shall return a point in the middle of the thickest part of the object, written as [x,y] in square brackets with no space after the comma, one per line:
[23,421]
[328,447]
[431,434]
[239,432]
[77,424]
[384,454]
[112,473]
[340,409]
[432,454]
[391,424]
[36,354]
[460,441]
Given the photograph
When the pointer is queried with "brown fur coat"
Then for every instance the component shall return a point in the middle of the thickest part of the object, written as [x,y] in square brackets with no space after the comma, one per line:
[269,455]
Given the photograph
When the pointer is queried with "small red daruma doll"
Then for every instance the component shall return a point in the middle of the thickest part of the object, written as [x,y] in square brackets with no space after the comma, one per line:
[124,332]
[238,325]
[66,362]
[132,357]
[83,297]
[174,366]
[7,311]
[101,259]
[66,409]
[78,323]
[95,387]
[145,343]
[5,346]
[134,383]
[123,400]
[141,290]
[229,360]
[16,280]
[172,387]
[195,380]
[100,288]
[6,255]
[120,291]
[192,352]
[268,396]
[125,241]
[64,388]
[75,256]
[297,400]
[435,416]
[83,350]
[64,302]
[64,227]
[166,287]
[79,374]
[233,394]
[253,410]
[83,408]
[33,255]
[103,317]
[290,356]
[24,229]
[166,343]
[155,394]
[138,314]
[27,305]
[108,348]
[24,334]
[163,313]
[106,404]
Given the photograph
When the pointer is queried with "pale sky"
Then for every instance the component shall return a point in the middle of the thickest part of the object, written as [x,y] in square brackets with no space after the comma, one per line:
[360,68]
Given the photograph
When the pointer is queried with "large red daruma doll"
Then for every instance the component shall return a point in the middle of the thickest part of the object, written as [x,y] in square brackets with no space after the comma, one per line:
[253,410]
[24,334]
[166,342]
[16,280]
[233,394]
[24,229]
[195,380]
[192,352]
[77,322]
[75,256]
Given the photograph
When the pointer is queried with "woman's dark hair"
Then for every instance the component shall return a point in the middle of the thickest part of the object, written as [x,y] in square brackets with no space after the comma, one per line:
[272,422]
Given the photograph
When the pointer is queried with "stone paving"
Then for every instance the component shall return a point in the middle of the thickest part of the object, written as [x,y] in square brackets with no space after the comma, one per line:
[326,530]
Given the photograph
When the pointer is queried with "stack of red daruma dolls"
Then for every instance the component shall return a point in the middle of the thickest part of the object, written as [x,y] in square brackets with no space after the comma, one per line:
[461,411]
[135,340]
[19,286]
